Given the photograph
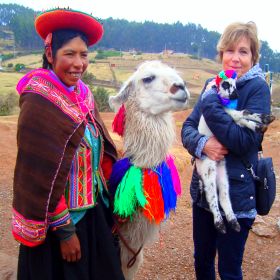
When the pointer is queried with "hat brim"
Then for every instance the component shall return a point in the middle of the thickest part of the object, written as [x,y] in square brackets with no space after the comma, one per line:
[52,20]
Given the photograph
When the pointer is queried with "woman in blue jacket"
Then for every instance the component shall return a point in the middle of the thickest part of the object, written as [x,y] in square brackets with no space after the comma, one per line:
[238,49]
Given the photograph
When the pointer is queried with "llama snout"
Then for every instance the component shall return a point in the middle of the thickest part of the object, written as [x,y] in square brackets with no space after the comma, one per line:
[179,92]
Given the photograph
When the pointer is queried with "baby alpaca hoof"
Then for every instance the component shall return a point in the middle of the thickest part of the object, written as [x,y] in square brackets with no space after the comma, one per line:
[234,225]
[267,119]
[261,128]
[220,226]
[277,274]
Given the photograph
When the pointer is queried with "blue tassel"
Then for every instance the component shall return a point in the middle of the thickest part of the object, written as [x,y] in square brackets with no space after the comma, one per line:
[118,172]
[168,192]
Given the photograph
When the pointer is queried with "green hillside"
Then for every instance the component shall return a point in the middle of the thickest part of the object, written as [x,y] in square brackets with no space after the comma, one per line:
[113,71]
[6,40]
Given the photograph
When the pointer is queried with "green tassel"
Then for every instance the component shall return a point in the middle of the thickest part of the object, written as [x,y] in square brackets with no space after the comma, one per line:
[129,192]
[139,188]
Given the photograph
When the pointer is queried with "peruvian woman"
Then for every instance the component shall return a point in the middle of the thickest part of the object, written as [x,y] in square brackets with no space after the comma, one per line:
[61,207]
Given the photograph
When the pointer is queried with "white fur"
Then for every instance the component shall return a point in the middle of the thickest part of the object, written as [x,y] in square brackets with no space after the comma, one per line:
[150,95]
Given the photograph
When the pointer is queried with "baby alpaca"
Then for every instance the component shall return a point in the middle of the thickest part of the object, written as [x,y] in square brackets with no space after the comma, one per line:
[214,174]
[145,181]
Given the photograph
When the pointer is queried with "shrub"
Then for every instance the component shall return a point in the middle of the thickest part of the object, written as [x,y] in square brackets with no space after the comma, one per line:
[10,65]
[100,55]
[7,56]
[101,97]
[88,78]
[19,67]
[105,54]
[195,57]
[8,103]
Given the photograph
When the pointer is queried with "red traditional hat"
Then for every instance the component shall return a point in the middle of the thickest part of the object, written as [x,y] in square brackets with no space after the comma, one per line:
[52,20]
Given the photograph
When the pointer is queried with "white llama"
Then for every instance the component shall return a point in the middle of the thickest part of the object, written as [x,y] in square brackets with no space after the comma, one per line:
[214,173]
[150,96]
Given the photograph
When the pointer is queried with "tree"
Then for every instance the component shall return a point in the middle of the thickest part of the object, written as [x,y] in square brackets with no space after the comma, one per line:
[123,35]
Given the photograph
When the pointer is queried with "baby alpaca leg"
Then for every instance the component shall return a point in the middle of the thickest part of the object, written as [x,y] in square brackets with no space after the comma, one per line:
[253,125]
[206,168]
[254,121]
[224,196]
[260,118]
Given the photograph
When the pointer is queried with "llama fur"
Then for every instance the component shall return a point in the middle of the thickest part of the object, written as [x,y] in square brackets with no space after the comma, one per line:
[214,173]
[150,96]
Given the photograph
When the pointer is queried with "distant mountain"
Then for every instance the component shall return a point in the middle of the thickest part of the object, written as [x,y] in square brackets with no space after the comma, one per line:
[124,35]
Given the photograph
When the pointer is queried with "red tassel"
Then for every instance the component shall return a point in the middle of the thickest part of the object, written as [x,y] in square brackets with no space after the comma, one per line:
[119,121]
[154,209]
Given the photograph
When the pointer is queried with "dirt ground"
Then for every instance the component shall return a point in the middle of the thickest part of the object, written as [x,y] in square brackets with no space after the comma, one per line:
[172,256]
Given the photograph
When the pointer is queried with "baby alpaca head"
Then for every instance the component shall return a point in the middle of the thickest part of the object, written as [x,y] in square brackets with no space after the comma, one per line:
[226,84]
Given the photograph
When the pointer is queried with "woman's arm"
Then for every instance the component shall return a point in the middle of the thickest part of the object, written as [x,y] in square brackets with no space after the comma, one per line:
[196,143]
[62,226]
[189,133]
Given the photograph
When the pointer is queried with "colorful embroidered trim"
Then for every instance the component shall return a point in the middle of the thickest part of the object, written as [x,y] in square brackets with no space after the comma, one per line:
[28,232]
[60,216]
[72,103]
[154,190]
[84,180]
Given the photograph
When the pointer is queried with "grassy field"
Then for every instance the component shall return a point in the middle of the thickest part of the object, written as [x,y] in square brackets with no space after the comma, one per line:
[193,71]
[8,82]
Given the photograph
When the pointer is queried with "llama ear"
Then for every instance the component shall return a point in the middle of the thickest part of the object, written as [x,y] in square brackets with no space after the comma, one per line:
[116,101]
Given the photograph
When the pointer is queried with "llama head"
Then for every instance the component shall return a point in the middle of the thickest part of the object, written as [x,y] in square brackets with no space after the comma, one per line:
[155,88]
[226,84]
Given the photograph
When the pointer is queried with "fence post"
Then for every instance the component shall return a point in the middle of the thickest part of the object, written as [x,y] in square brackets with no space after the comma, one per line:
[268,77]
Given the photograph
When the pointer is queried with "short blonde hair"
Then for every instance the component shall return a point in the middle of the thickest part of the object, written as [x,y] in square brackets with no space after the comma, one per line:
[234,32]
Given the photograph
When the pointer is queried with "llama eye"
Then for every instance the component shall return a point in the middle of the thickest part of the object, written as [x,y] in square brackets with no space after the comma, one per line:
[148,80]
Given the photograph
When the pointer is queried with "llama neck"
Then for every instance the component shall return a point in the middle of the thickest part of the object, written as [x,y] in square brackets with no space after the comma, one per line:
[147,138]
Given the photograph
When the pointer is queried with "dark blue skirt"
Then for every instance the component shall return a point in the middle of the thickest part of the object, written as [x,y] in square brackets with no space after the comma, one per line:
[100,253]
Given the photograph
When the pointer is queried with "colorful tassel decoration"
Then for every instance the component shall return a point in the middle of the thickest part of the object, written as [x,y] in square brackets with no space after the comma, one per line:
[118,172]
[168,192]
[125,201]
[174,174]
[154,209]
[154,190]
[119,121]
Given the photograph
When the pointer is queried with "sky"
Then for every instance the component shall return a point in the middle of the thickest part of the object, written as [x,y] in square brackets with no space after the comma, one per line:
[214,15]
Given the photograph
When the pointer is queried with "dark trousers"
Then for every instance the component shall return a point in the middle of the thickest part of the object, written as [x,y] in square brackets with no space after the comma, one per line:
[207,241]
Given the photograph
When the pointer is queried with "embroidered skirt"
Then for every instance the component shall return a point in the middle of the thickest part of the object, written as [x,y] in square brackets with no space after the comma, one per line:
[100,253]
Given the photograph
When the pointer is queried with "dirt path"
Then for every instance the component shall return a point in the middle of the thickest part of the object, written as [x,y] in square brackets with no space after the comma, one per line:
[171,257]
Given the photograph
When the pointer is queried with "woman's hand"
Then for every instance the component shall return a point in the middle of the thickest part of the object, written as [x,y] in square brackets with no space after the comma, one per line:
[214,149]
[71,249]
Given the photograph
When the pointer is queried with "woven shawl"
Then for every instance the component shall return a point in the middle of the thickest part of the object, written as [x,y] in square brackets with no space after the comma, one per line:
[50,128]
